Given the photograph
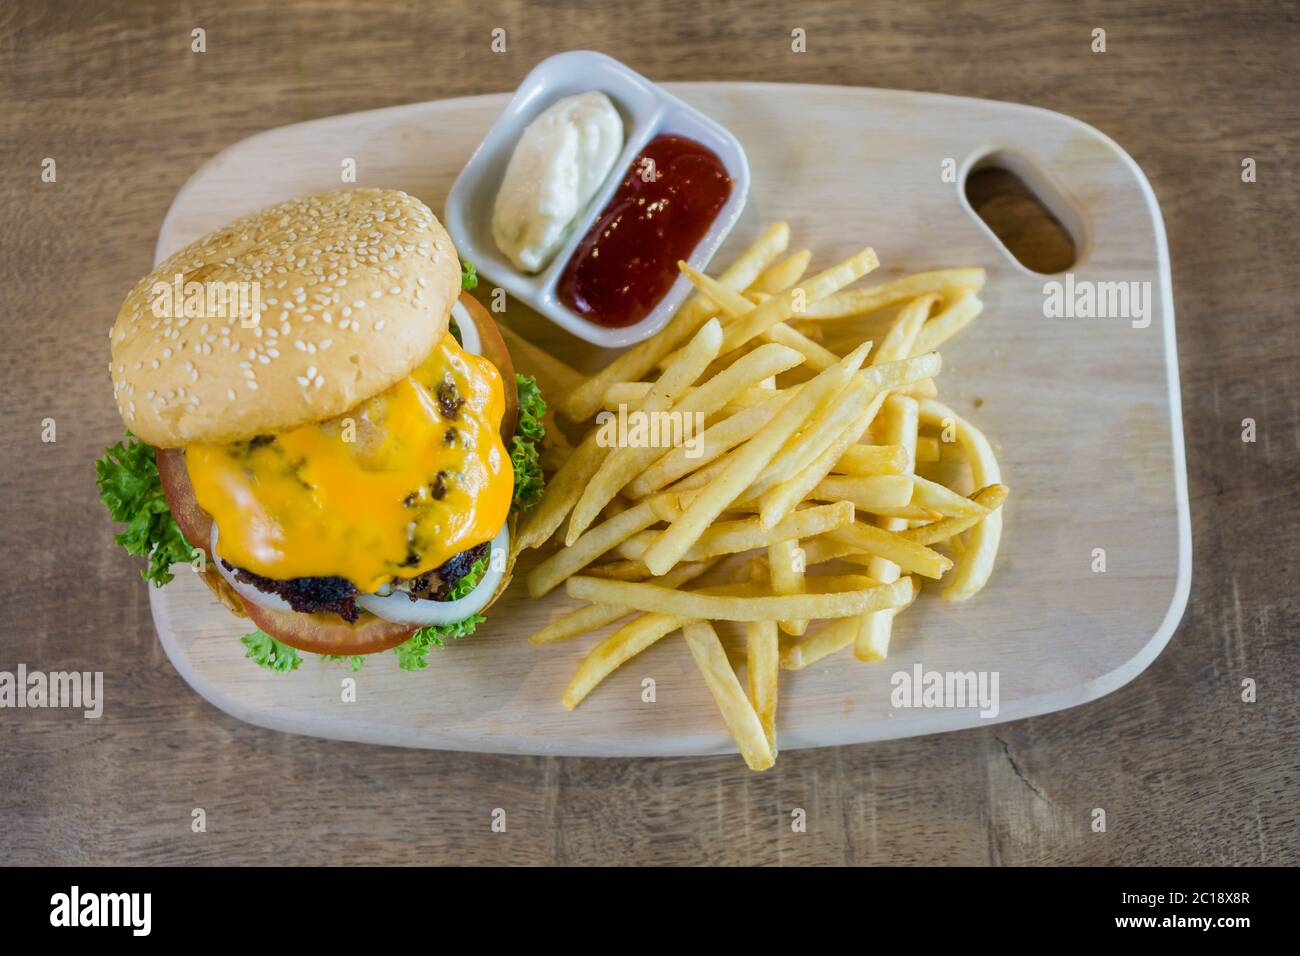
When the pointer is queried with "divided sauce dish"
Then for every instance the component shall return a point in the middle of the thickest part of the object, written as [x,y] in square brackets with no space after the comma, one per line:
[647,111]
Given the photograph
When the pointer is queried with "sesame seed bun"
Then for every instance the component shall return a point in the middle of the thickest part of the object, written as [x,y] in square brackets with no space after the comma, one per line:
[353,290]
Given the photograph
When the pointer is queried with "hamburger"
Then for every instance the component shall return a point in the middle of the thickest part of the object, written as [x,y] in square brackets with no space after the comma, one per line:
[336,441]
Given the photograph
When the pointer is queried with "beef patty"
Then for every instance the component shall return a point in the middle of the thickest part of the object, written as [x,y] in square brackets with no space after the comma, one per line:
[338,595]
[437,584]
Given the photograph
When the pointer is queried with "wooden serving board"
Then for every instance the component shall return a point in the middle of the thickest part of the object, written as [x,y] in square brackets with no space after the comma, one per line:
[1084,414]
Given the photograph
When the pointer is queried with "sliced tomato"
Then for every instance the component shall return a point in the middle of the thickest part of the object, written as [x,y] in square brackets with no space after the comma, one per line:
[329,633]
[194,522]
[495,351]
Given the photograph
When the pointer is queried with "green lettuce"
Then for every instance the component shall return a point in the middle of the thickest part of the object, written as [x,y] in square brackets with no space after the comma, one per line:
[129,485]
[265,651]
[524,456]
[412,652]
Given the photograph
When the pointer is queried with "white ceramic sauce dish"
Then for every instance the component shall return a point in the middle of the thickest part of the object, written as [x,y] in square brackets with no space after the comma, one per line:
[647,111]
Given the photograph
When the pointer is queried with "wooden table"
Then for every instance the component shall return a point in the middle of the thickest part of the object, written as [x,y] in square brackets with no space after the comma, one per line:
[1186,772]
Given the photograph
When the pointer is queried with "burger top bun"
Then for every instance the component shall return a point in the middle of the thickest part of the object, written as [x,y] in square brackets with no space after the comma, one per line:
[343,293]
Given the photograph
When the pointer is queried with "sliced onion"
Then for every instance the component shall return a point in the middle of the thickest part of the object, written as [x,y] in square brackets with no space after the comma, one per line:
[400,609]
[470,340]
[272,602]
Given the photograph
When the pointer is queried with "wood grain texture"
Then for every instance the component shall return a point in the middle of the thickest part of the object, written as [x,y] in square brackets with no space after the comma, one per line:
[1056,633]
[1186,772]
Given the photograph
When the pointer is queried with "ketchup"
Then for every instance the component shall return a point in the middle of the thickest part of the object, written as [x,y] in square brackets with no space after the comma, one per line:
[627,261]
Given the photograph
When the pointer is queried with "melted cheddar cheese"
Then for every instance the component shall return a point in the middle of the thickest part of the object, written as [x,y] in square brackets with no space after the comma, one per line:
[409,479]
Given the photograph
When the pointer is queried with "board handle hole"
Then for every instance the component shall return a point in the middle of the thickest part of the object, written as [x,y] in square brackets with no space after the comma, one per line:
[1021,216]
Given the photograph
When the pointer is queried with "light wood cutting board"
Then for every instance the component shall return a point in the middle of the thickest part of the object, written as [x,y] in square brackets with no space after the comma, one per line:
[1084,413]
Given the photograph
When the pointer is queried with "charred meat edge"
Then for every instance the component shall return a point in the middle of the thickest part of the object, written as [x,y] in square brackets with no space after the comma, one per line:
[337,595]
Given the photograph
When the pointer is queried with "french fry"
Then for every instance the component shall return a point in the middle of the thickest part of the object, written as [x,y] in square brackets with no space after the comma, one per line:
[572,558]
[614,651]
[815,437]
[763,665]
[866,494]
[990,498]
[758,607]
[780,499]
[702,477]
[717,439]
[898,345]
[786,564]
[562,492]
[633,393]
[981,550]
[783,306]
[936,497]
[621,646]
[745,534]
[735,306]
[733,537]
[584,401]
[737,712]
[595,616]
[901,422]
[867,460]
[855,302]
[949,322]
[888,544]
[782,275]
[746,463]
[927,449]
[824,548]
[925,388]
[818,358]
[831,639]
[619,571]
[670,385]
[624,464]
[900,341]
[552,457]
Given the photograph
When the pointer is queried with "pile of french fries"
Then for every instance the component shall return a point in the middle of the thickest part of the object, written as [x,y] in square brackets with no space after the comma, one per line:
[824,472]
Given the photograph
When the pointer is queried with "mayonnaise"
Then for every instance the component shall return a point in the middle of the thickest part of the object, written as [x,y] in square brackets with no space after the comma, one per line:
[559,163]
